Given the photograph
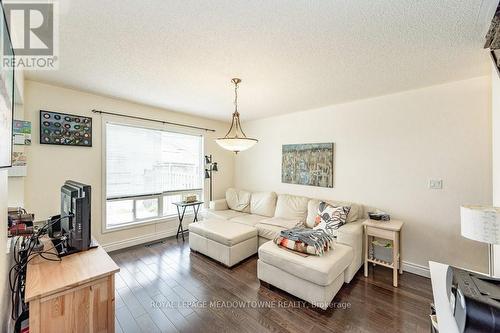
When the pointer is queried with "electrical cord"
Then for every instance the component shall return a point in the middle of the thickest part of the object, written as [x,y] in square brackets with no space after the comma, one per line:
[19,266]
[21,263]
[34,255]
[15,284]
[16,258]
[50,223]
[43,230]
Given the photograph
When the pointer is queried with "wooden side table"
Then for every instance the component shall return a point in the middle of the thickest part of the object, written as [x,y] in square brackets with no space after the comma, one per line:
[390,230]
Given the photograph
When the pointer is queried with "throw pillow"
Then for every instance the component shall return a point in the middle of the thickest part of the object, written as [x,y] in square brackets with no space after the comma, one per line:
[330,218]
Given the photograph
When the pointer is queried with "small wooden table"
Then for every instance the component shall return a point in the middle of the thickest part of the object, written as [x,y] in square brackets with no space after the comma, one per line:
[196,208]
[76,294]
[390,230]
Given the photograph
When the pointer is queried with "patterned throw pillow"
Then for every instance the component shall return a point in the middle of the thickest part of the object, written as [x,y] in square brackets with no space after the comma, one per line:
[331,218]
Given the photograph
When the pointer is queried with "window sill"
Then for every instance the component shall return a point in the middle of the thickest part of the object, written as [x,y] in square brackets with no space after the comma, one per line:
[132,225]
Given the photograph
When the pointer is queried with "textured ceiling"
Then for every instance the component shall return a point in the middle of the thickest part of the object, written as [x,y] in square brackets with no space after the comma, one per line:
[291,55]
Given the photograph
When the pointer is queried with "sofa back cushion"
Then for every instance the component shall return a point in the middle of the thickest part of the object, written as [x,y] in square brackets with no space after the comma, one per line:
[263,203]
[281,222]
[355,213]
[238,200]
[291,207]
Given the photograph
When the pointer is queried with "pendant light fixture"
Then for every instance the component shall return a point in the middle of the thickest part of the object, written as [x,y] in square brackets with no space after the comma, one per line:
[235,139]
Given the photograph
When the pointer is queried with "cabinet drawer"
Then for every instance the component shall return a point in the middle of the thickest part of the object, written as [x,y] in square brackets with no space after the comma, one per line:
[386,234]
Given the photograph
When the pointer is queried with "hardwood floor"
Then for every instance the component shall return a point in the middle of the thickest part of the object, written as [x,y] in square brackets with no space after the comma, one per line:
[155,279]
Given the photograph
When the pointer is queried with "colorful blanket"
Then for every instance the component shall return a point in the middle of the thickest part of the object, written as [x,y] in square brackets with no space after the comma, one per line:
[305,240]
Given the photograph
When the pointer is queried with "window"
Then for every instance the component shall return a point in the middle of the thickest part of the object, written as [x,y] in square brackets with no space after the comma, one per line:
[147,170]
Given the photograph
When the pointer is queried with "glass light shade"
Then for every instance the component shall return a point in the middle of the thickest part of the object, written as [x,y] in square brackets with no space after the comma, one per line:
[236,144]
[214,167]
[207,175]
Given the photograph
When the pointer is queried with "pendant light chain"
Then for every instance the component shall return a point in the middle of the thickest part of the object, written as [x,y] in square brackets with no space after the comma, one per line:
[236,97]
[236,117]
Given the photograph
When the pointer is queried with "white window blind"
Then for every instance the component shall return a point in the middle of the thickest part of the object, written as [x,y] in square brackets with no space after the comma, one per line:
[142,161]
[147,170]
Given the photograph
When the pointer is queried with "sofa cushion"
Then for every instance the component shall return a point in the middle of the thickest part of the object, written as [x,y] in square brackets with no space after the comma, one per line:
[248,219]
[268,231]
[220,204]
[281,222]
[238,200]
[319,270]
[291,207]
[224,214]
[355,213]
[222,231]
[263,203]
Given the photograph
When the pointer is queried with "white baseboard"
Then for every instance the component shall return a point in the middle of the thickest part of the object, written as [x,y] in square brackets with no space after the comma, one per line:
[416,269]
[122,244]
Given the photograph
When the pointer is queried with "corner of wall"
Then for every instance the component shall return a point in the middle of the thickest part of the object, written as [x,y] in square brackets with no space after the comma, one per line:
[4,256]
[495,115]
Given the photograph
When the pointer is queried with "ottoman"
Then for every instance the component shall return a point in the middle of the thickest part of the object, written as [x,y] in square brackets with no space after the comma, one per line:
[225,241]
[312,278]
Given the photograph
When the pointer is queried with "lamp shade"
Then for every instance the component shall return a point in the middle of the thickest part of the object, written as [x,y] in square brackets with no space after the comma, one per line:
[215,167]
[236,144]
[481,223]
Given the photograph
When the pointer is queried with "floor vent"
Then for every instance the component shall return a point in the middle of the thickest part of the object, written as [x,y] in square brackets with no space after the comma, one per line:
[155,243]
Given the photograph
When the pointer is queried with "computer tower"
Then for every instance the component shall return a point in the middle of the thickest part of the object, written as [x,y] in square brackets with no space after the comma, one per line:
[75,223]
[81,228]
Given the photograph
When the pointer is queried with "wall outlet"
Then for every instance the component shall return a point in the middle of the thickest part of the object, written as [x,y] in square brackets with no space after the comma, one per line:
[436,184]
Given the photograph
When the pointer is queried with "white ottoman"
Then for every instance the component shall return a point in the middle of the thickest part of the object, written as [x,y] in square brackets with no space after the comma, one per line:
[225,241]
[313,279]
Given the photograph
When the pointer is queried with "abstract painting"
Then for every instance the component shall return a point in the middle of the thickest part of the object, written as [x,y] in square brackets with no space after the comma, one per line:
[65,129]
[308,164]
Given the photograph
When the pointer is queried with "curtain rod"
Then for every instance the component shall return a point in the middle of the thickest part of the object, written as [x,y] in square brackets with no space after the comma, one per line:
[154,120]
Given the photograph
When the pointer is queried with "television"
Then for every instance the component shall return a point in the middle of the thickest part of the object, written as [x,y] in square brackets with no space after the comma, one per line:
[75,219]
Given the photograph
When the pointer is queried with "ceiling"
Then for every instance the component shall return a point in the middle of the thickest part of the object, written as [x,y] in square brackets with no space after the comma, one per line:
[291,55]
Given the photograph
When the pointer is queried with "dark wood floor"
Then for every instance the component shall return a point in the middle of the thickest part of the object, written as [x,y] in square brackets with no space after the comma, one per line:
[166,288]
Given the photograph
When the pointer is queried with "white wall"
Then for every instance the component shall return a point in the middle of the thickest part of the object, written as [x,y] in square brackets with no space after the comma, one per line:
[495,107]
[386,150]
[4,258]
[5,201]
[16,184]
[50,165]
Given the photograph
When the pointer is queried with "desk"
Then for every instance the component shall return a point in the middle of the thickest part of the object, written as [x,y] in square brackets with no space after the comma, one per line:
[76,294]
[196,208]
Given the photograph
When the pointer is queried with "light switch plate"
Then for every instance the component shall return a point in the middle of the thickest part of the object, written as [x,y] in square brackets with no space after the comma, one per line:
[436,184]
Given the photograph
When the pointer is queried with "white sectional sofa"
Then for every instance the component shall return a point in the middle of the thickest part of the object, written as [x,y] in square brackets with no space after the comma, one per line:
[243,223]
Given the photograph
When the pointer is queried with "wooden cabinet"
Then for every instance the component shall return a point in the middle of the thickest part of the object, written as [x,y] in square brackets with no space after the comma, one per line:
[76,294]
